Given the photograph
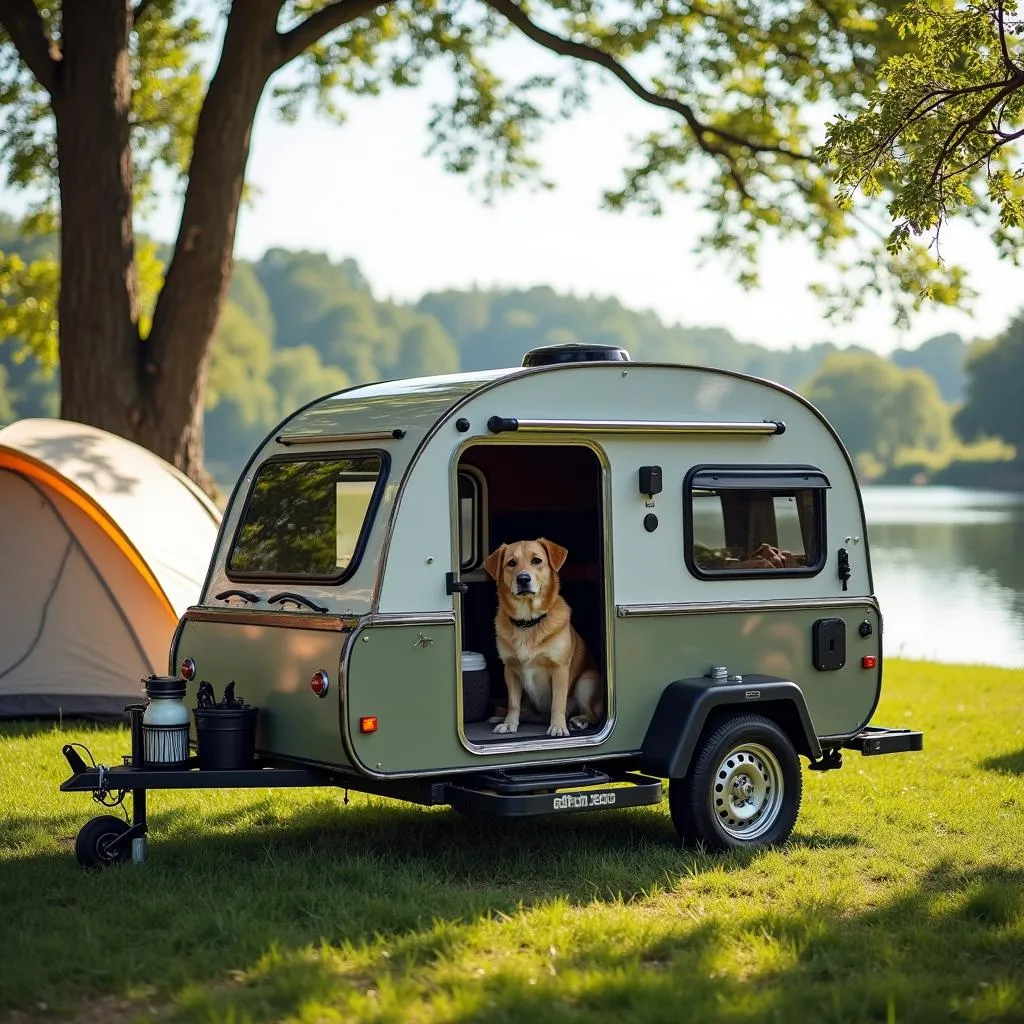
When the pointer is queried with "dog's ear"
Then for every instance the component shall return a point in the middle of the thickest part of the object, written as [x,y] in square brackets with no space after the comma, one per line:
[493,562]
[556,553]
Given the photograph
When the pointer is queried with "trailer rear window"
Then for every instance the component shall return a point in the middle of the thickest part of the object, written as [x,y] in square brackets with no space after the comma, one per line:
[743,522]
[307,519]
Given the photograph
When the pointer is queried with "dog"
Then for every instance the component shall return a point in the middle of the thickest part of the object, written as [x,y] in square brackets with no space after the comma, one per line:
[544,657]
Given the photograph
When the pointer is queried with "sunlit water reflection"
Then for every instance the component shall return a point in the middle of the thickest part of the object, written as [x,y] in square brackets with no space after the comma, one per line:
[948,568]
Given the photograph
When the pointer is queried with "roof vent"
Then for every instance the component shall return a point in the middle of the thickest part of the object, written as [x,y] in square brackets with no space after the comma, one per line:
[575,352]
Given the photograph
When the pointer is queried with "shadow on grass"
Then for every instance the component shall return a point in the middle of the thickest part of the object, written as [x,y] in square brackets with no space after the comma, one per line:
[946,949]
[1007,764]
[304,902]
[222,887]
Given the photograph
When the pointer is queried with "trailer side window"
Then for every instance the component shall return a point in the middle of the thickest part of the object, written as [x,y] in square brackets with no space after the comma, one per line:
[306,518]
[755,522]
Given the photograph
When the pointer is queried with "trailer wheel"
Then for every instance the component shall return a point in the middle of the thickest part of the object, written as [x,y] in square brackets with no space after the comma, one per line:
[95,846]
[743,788]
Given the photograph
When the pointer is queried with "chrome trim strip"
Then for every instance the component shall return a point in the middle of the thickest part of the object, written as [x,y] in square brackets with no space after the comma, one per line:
[259,617]
[366,435]
[494,750]
[499,424]
[630,611]
[378,619]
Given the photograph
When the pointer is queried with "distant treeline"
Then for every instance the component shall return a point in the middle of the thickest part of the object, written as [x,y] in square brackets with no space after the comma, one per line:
[297,326]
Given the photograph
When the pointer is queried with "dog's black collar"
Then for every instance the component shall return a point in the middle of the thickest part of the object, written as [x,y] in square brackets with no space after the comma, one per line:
[527,623]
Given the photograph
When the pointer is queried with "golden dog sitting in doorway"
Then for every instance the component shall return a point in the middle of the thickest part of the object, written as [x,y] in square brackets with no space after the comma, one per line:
[544,657]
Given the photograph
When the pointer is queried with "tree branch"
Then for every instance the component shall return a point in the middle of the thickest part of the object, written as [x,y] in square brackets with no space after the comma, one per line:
[1008,61]
[316,26]
[140,11]
[593,55]
[25,26]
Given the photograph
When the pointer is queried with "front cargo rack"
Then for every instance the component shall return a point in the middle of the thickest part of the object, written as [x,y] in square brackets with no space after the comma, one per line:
[108,839]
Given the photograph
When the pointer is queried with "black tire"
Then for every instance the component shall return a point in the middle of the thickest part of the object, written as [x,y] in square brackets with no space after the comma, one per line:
[94,848]
[743,788]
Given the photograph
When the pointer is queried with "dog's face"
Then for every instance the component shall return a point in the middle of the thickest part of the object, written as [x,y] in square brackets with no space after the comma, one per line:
[526,568]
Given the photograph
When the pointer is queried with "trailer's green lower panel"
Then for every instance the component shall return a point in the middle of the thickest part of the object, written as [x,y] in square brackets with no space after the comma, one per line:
[272,667]
[405,676]
[652,650]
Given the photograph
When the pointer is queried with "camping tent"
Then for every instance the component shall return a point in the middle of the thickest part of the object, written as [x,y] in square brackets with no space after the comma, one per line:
[103,545]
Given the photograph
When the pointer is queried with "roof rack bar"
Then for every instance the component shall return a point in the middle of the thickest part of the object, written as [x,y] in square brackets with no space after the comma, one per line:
[505,424]
[366,435]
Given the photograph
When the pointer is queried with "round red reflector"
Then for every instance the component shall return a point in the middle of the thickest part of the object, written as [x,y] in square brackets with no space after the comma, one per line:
[188,669]
[320,683]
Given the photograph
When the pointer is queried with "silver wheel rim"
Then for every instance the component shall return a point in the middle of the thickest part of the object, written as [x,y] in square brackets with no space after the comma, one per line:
[747,791]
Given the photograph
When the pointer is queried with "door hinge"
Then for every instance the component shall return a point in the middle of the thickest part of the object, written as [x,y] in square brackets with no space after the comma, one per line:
[451,584]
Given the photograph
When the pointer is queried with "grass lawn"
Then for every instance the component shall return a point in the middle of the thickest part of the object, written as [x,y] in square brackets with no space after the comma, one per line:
[899,898]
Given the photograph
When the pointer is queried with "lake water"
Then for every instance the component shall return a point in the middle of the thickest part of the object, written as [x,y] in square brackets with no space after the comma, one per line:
[948,568]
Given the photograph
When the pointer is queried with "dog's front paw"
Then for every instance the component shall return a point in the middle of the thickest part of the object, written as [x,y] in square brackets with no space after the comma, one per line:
[579,723]
[507,726]
[557,729]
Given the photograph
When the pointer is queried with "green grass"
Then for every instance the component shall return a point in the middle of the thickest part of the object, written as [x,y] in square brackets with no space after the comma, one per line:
[899,898]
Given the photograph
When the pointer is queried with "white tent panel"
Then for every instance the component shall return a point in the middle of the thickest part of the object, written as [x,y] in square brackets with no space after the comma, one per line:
[102,547]
[168,520]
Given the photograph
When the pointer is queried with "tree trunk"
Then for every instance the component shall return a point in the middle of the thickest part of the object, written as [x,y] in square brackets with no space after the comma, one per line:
[98,304]
[151,391]
[176,354]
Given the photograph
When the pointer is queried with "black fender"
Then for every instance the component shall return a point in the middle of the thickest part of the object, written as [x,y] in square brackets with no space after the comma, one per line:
[684,707]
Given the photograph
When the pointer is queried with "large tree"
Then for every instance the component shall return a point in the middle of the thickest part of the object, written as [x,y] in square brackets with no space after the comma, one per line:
[96,95]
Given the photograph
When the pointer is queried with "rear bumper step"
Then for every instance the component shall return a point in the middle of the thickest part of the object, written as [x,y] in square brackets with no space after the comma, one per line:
[519,798]
[878,740]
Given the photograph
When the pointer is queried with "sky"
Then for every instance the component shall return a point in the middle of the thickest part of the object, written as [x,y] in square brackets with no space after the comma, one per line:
[366,190]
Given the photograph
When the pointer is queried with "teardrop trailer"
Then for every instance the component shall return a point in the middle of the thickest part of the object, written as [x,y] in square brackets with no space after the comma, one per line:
[718,572]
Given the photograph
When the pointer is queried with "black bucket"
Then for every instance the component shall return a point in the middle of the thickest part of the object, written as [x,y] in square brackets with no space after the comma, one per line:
[226,737]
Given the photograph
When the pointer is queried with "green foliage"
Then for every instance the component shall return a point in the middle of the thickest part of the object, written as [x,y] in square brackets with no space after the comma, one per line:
[993,405]
[744,86]
[28,306]
[944,358]
[879,408]
[167,91]
[7,414]
[331,307]
[249,295]
[935,138]
[298,326]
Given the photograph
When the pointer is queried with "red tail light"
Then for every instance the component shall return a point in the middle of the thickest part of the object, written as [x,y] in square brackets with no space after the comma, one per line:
[320,683]
[868,661]
[188,669]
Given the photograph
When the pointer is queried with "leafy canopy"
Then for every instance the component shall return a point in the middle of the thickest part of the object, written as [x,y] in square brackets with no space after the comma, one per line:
[745,86]
[940,138]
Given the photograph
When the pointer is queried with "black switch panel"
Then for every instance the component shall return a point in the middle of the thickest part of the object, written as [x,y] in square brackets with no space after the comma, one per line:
[829,646]
[650,479]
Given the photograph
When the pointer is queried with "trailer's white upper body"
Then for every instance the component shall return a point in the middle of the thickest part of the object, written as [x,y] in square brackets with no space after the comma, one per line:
[410,547]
